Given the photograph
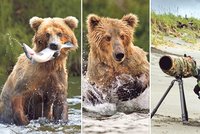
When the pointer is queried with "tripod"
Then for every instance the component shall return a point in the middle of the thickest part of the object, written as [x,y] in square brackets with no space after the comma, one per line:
[182,99]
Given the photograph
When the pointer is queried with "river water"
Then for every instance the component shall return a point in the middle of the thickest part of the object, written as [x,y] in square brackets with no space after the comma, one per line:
[119,123]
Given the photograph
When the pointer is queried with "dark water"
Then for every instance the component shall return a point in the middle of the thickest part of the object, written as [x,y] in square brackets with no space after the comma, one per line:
[41,127]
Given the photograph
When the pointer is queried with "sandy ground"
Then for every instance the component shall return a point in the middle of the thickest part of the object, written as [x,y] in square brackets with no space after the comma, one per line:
[168,117]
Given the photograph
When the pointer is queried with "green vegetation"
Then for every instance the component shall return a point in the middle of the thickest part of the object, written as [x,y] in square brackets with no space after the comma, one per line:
[117,9]
[188,29]
[15,15]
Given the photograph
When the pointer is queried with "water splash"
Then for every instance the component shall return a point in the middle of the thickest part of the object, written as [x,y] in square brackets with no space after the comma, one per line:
[107,102]
[109,117]
[92,95]
[13,39]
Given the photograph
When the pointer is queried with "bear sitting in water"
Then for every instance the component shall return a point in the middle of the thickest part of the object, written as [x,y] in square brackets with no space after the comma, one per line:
[31,88]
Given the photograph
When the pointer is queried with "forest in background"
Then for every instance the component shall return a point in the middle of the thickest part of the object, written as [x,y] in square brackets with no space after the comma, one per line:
[117,9]
[14,23]
[15,15]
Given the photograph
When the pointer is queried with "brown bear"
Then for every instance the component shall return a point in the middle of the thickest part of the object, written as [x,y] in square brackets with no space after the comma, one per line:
[40,89]
[112,55]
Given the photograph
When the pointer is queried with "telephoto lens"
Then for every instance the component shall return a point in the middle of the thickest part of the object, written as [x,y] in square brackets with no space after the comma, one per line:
[178,66]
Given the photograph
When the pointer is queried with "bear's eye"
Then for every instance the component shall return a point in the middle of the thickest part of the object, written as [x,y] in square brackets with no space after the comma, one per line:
[122,37]
[59,34]
[108,38]
[47,35]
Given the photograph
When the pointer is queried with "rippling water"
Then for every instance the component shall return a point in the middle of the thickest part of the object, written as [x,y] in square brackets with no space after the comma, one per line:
[41,126]
[119,123]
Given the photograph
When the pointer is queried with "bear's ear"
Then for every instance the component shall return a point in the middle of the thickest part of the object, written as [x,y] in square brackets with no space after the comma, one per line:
[71,21]
[92,21]
[131,20]
[35,22]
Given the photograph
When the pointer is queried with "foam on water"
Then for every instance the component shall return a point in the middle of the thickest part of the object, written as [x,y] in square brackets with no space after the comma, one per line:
[105,109]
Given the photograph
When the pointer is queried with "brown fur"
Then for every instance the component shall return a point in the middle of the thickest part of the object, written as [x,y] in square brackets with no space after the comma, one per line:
[106,37]
[30,86]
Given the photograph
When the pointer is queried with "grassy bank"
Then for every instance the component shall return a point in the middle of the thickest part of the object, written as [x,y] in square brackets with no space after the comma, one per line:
[187,29]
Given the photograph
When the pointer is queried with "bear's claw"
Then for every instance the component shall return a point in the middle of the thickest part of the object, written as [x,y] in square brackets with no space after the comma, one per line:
[131,89]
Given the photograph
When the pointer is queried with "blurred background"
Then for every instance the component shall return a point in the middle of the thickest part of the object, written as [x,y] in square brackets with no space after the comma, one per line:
[117,9]
[14,23]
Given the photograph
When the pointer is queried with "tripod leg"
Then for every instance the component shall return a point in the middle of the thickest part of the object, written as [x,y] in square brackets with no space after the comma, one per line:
[161,100]
[183,102]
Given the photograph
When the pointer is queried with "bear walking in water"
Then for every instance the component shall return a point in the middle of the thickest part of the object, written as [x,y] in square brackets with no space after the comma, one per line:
[113,58]
[40,88]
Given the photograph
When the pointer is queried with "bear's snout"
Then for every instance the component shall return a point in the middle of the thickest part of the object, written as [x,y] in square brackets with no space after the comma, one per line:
[53,46]
[119,56]
[118,51]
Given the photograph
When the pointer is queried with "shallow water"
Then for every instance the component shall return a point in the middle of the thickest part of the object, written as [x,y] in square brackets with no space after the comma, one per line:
[40,126]
[119,123]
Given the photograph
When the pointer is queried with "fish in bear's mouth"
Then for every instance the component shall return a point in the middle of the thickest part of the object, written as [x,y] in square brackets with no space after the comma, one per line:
[47,54]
